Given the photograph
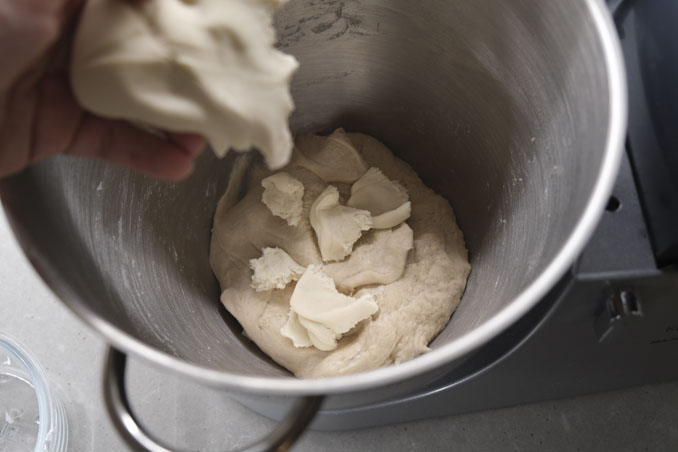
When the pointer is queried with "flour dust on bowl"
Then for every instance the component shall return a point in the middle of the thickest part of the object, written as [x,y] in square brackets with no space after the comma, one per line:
[32,417]
[513,111]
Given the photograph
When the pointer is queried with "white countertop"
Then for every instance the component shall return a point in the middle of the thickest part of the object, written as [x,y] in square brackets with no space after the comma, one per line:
[195,418]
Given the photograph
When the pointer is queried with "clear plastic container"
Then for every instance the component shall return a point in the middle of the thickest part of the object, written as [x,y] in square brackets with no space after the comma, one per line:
[32,418]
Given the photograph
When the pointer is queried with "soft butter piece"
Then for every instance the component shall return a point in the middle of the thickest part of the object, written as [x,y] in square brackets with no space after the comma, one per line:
[386,200]
[274,270]
[320,315]
[283,195]
[380,259]
[337,227]
[207,66]
[295,331]
[333,158]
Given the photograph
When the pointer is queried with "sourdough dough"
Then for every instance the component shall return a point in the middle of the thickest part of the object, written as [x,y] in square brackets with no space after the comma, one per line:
[202,66]
[412,308]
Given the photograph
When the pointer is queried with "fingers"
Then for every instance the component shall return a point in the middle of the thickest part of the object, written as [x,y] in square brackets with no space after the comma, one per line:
[190,142]
[57,119]
[120,143]
[62,126]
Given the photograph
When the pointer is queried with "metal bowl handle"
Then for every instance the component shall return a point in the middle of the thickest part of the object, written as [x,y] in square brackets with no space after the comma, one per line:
[120,412]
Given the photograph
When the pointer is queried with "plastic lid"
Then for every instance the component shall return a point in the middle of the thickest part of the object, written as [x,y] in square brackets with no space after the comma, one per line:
[31,416]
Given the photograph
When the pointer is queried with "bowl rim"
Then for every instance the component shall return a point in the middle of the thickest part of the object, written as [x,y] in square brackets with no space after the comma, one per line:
[443,355]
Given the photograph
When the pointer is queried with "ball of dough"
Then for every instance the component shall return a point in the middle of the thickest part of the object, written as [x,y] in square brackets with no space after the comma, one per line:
[416,291]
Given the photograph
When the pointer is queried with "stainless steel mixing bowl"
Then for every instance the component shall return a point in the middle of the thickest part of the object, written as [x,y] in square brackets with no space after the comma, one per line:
[513,110]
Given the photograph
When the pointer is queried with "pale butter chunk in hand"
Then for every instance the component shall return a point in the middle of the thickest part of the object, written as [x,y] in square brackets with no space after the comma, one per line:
[200,66]
[385,199]
[274,270]
[337,227]
[319,315]
[283,195]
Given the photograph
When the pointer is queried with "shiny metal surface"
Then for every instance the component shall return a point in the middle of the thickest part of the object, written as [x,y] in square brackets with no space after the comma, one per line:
[515,111]
[139,439]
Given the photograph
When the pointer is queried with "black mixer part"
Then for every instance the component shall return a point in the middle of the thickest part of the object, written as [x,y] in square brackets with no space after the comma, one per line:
[649,38]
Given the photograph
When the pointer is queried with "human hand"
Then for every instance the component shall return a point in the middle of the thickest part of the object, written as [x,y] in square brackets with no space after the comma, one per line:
[40,117]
